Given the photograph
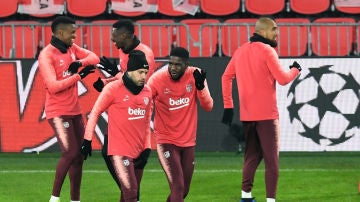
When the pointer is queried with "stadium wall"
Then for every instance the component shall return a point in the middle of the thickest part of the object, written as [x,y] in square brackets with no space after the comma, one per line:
[319,111]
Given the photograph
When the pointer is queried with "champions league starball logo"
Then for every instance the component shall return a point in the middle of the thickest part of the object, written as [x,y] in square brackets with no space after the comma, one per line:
[325,105]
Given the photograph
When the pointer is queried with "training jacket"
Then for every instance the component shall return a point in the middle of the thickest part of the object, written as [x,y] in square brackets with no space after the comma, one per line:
[175,120]
[124,58]
[60,85]
[127,113]
[256,67]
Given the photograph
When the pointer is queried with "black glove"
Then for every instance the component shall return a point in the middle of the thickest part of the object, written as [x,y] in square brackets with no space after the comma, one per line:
[109,67]
[74,66]
[141,161]
[86,71]
[295,65]
[98,84]
[228,116]
[199,79]
[85,148]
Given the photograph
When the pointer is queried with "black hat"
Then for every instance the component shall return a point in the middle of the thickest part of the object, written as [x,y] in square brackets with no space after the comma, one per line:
[137,60]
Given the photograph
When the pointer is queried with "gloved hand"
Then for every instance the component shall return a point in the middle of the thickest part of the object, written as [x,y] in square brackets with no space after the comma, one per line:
[295,65]
[141,161]
[199,79]
[74,66]
[86,148]
[86,71]
[108,66]
[228,116]
[98,84]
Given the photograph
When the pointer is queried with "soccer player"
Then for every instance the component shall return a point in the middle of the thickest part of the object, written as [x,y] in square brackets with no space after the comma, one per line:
[256,67]
[175,91]
[128,102]
[124,39]
[59,63]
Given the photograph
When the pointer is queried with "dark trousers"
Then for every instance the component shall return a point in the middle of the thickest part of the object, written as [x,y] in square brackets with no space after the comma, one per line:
[262,142]
[69,131]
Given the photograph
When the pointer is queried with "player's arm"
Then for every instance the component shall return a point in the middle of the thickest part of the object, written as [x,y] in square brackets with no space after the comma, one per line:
[151,61]
[86,57]
[47,71]
[281,76]
[226,88]
[152,84]
[100,83]
[203,93]
[102,103]
[226,84]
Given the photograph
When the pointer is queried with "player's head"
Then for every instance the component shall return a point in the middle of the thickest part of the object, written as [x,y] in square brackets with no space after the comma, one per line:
[178,62]
[267,28]
[64,29]
[122,33]
[137,67]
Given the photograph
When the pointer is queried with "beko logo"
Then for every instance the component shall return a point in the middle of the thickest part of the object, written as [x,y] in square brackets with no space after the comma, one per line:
[179,103]
[136,113]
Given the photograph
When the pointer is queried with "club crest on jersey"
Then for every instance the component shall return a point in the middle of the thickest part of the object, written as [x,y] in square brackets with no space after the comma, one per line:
[166,91]
[61,62]
[188,88]
[146,100]
[126,98]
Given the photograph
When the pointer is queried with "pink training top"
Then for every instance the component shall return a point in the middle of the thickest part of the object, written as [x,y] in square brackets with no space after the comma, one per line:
[256,68]
[127,113]
[175,120]
[61,87]
[124,58]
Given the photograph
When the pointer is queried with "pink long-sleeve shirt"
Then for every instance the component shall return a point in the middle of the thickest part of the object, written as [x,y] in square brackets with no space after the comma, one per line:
[60,85]
[124,58]
[175,120]
[256,67]
[128,118]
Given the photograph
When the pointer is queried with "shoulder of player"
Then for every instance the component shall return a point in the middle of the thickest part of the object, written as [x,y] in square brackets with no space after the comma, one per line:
[48,51]
[263,47]
[146,88]
[158,74]
[146,49]
[114,85]
[75,46]
[191,69]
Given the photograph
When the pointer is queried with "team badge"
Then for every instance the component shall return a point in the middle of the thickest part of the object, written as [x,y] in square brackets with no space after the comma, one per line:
[146,100]
[126,98]
[166,91]
[188,88]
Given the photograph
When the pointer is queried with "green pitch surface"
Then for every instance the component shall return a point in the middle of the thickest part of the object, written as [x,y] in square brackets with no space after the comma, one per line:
[304,177]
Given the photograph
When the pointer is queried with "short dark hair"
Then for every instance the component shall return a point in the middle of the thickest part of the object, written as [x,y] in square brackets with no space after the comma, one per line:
[180,52]
[126,24]
[61,20]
